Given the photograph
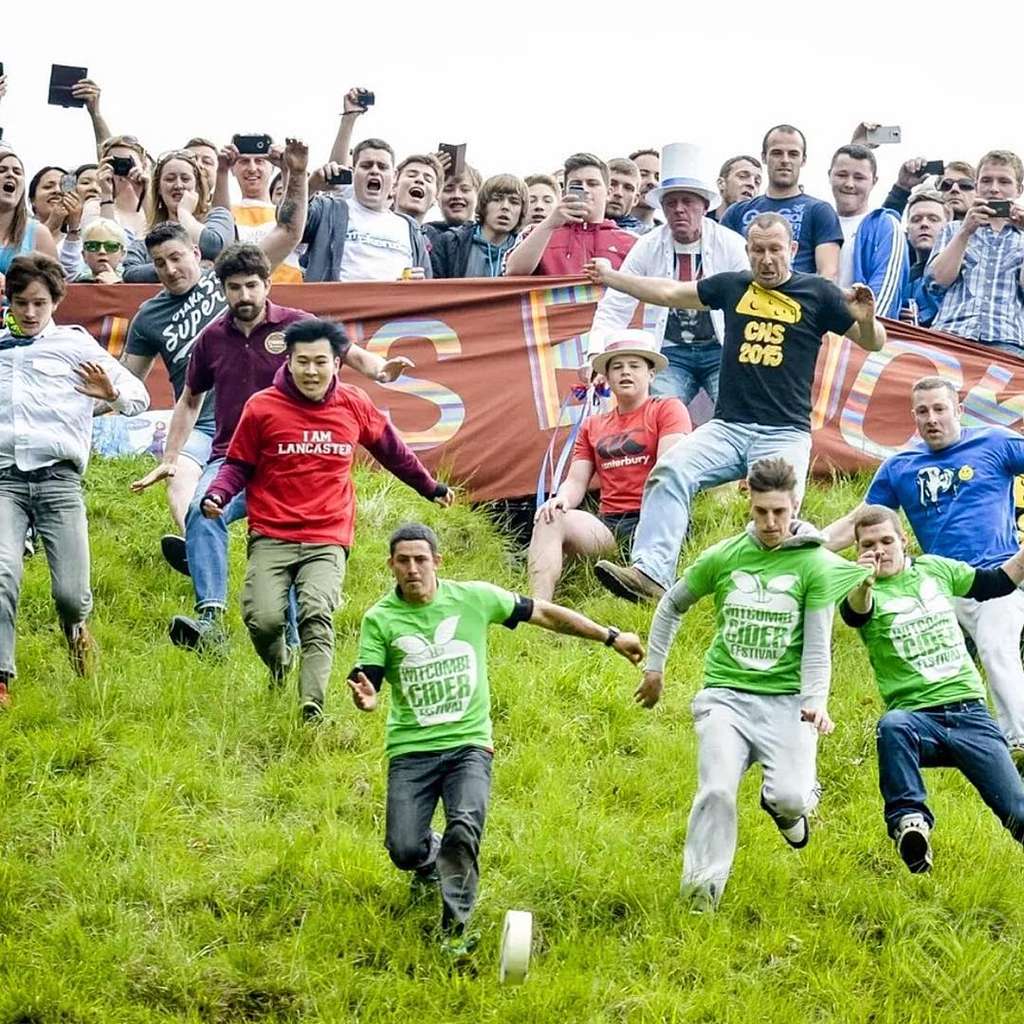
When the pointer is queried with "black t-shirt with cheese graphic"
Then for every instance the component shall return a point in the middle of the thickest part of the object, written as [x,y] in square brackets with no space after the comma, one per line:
[772,337]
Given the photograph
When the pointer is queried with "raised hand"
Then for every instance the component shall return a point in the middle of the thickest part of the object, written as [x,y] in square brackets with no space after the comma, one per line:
[393,369]
[188,201]
[860,301]
[295,158]
[86,89]
[94,382]
[351,104]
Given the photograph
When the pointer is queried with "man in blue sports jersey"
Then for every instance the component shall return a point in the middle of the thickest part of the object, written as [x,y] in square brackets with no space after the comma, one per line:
[956,487]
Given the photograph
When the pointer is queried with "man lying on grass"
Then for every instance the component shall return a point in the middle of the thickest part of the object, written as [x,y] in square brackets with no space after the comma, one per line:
[766,675]
[428,639]
[935,713]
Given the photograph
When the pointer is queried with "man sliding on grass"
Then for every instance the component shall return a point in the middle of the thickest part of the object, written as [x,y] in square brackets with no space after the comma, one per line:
[935,713]
[766,674]
[428,638]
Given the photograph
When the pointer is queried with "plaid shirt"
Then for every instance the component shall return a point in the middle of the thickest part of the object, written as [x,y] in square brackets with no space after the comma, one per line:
[986,301]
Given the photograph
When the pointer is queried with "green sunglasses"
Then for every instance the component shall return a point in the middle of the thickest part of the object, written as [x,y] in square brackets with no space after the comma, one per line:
[101,246]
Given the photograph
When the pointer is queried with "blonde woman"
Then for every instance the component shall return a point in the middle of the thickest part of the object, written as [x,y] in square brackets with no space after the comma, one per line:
[180,193]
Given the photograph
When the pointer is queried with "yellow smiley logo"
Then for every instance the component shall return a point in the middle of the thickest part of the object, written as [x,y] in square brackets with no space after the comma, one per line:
[966,473]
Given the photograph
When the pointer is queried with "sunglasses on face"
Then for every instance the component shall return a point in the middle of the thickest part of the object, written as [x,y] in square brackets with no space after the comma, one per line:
[95,246]
[964,184]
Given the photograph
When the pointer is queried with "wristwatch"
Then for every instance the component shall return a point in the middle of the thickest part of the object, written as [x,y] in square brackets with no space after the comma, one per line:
[613,634]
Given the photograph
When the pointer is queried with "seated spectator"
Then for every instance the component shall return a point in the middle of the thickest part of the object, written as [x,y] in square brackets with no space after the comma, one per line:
[479,249]
[207,156]
[927,214]
[543,195]
[976,269]
[179,194]
[739,179]
[647,160]
[623,192]
[51,378]
[874,247]
[102,251]
[816,228]
[576,229]
[19,233]
[458,202]
[621,447]
[359,238]
[957,184]
[417,181]
[122,197]
[689,246]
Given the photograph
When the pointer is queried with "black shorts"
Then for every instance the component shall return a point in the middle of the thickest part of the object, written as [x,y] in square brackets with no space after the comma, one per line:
[622,525]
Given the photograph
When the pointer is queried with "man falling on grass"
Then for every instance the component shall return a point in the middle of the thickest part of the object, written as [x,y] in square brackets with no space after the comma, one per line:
[428,638]
[935,713]
[766,674]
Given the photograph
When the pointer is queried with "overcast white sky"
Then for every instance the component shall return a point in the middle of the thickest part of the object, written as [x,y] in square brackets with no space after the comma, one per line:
[526,85]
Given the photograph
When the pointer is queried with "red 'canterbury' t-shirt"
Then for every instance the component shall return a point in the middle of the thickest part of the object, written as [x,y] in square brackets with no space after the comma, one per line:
[301,489]
[624,448]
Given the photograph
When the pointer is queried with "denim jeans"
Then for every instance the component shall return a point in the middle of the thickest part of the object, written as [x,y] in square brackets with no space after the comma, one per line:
[206,544]
[715,453]
[51,500]
[962,735]
[461,779]
[690,368]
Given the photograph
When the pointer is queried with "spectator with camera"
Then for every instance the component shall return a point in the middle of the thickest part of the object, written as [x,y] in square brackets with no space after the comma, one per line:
[479,249]
[976,269]
[874,248]
[19,232]
[955,181]
[687,247]
[180,195]
[360,238]
[738,180]
[816,228]
[576,230]
[124,184]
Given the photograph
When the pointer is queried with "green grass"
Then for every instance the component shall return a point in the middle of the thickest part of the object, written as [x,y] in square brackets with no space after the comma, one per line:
[174,845]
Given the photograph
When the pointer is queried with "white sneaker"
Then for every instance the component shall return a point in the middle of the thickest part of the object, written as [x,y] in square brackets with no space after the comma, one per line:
[912,843]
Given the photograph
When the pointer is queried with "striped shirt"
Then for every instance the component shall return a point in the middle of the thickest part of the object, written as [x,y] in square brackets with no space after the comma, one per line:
[986,302]
[43,419]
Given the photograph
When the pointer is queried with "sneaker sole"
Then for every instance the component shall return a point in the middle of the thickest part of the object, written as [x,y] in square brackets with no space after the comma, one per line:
[611,582]
[172,547]
[183,633]
[915,852]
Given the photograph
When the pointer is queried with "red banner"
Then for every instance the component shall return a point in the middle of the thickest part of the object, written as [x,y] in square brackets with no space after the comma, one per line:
[495,359]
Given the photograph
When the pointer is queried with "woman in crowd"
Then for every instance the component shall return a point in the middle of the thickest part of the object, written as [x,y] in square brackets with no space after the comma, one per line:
[19,233]
[180,193]
[121,196]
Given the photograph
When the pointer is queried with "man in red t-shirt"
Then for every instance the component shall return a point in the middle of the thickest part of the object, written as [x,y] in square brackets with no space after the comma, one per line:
[292,453]
[621,447]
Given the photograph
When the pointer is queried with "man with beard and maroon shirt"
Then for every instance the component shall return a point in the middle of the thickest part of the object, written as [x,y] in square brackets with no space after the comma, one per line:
[236,356]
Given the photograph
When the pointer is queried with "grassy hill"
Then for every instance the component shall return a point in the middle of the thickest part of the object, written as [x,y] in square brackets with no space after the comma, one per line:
[174,845]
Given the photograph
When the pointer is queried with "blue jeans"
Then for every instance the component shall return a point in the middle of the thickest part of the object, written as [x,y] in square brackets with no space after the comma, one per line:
[51,500]
[206,544]
[715,453]
[461,779]
[690,368]
[962,735]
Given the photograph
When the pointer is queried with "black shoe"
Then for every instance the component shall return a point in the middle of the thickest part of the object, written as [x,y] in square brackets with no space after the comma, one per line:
[912,843]
[795,831]
[205,634]
[312,712]
[173,549]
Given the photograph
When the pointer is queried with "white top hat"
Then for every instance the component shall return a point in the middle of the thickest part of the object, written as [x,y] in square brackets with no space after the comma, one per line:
[684,168]
[629,342]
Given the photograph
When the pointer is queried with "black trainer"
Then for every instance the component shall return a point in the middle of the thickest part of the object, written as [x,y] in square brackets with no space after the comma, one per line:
[173,549]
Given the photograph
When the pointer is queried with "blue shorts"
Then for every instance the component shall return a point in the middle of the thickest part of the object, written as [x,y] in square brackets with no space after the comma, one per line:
[198,448]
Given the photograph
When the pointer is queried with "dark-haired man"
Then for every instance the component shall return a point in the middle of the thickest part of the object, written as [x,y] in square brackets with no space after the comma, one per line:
[51,379]
[648,161]
[428,638]
[237,355]
[360,238]
[774,322]
[766,674]
[738,179]
[168,325]
[292,453]
[623,193]
[815,226]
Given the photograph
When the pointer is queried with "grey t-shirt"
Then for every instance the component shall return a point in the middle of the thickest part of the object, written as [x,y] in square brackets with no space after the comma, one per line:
[169,325]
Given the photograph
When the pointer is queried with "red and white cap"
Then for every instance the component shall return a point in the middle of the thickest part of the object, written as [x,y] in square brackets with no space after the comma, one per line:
[628,342]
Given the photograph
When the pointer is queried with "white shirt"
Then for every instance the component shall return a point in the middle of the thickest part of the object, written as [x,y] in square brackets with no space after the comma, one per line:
[849,226]
[43,419]
[377,245]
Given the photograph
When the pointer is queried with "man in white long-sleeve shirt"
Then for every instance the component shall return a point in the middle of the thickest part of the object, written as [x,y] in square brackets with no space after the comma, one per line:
[51,378]
[766,674]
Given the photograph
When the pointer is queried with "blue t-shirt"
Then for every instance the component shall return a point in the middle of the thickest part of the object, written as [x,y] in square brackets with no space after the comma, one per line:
[814,223]
[959,500]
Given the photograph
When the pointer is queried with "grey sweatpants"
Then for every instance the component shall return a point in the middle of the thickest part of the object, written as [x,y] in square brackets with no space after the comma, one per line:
[736,729]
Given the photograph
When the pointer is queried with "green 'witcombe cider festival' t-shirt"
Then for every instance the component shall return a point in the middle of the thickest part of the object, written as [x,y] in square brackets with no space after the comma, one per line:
[914,641]
[435,658]
[760,596]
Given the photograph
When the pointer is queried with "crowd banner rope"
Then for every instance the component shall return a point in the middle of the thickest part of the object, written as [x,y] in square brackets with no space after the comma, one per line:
[496,361]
